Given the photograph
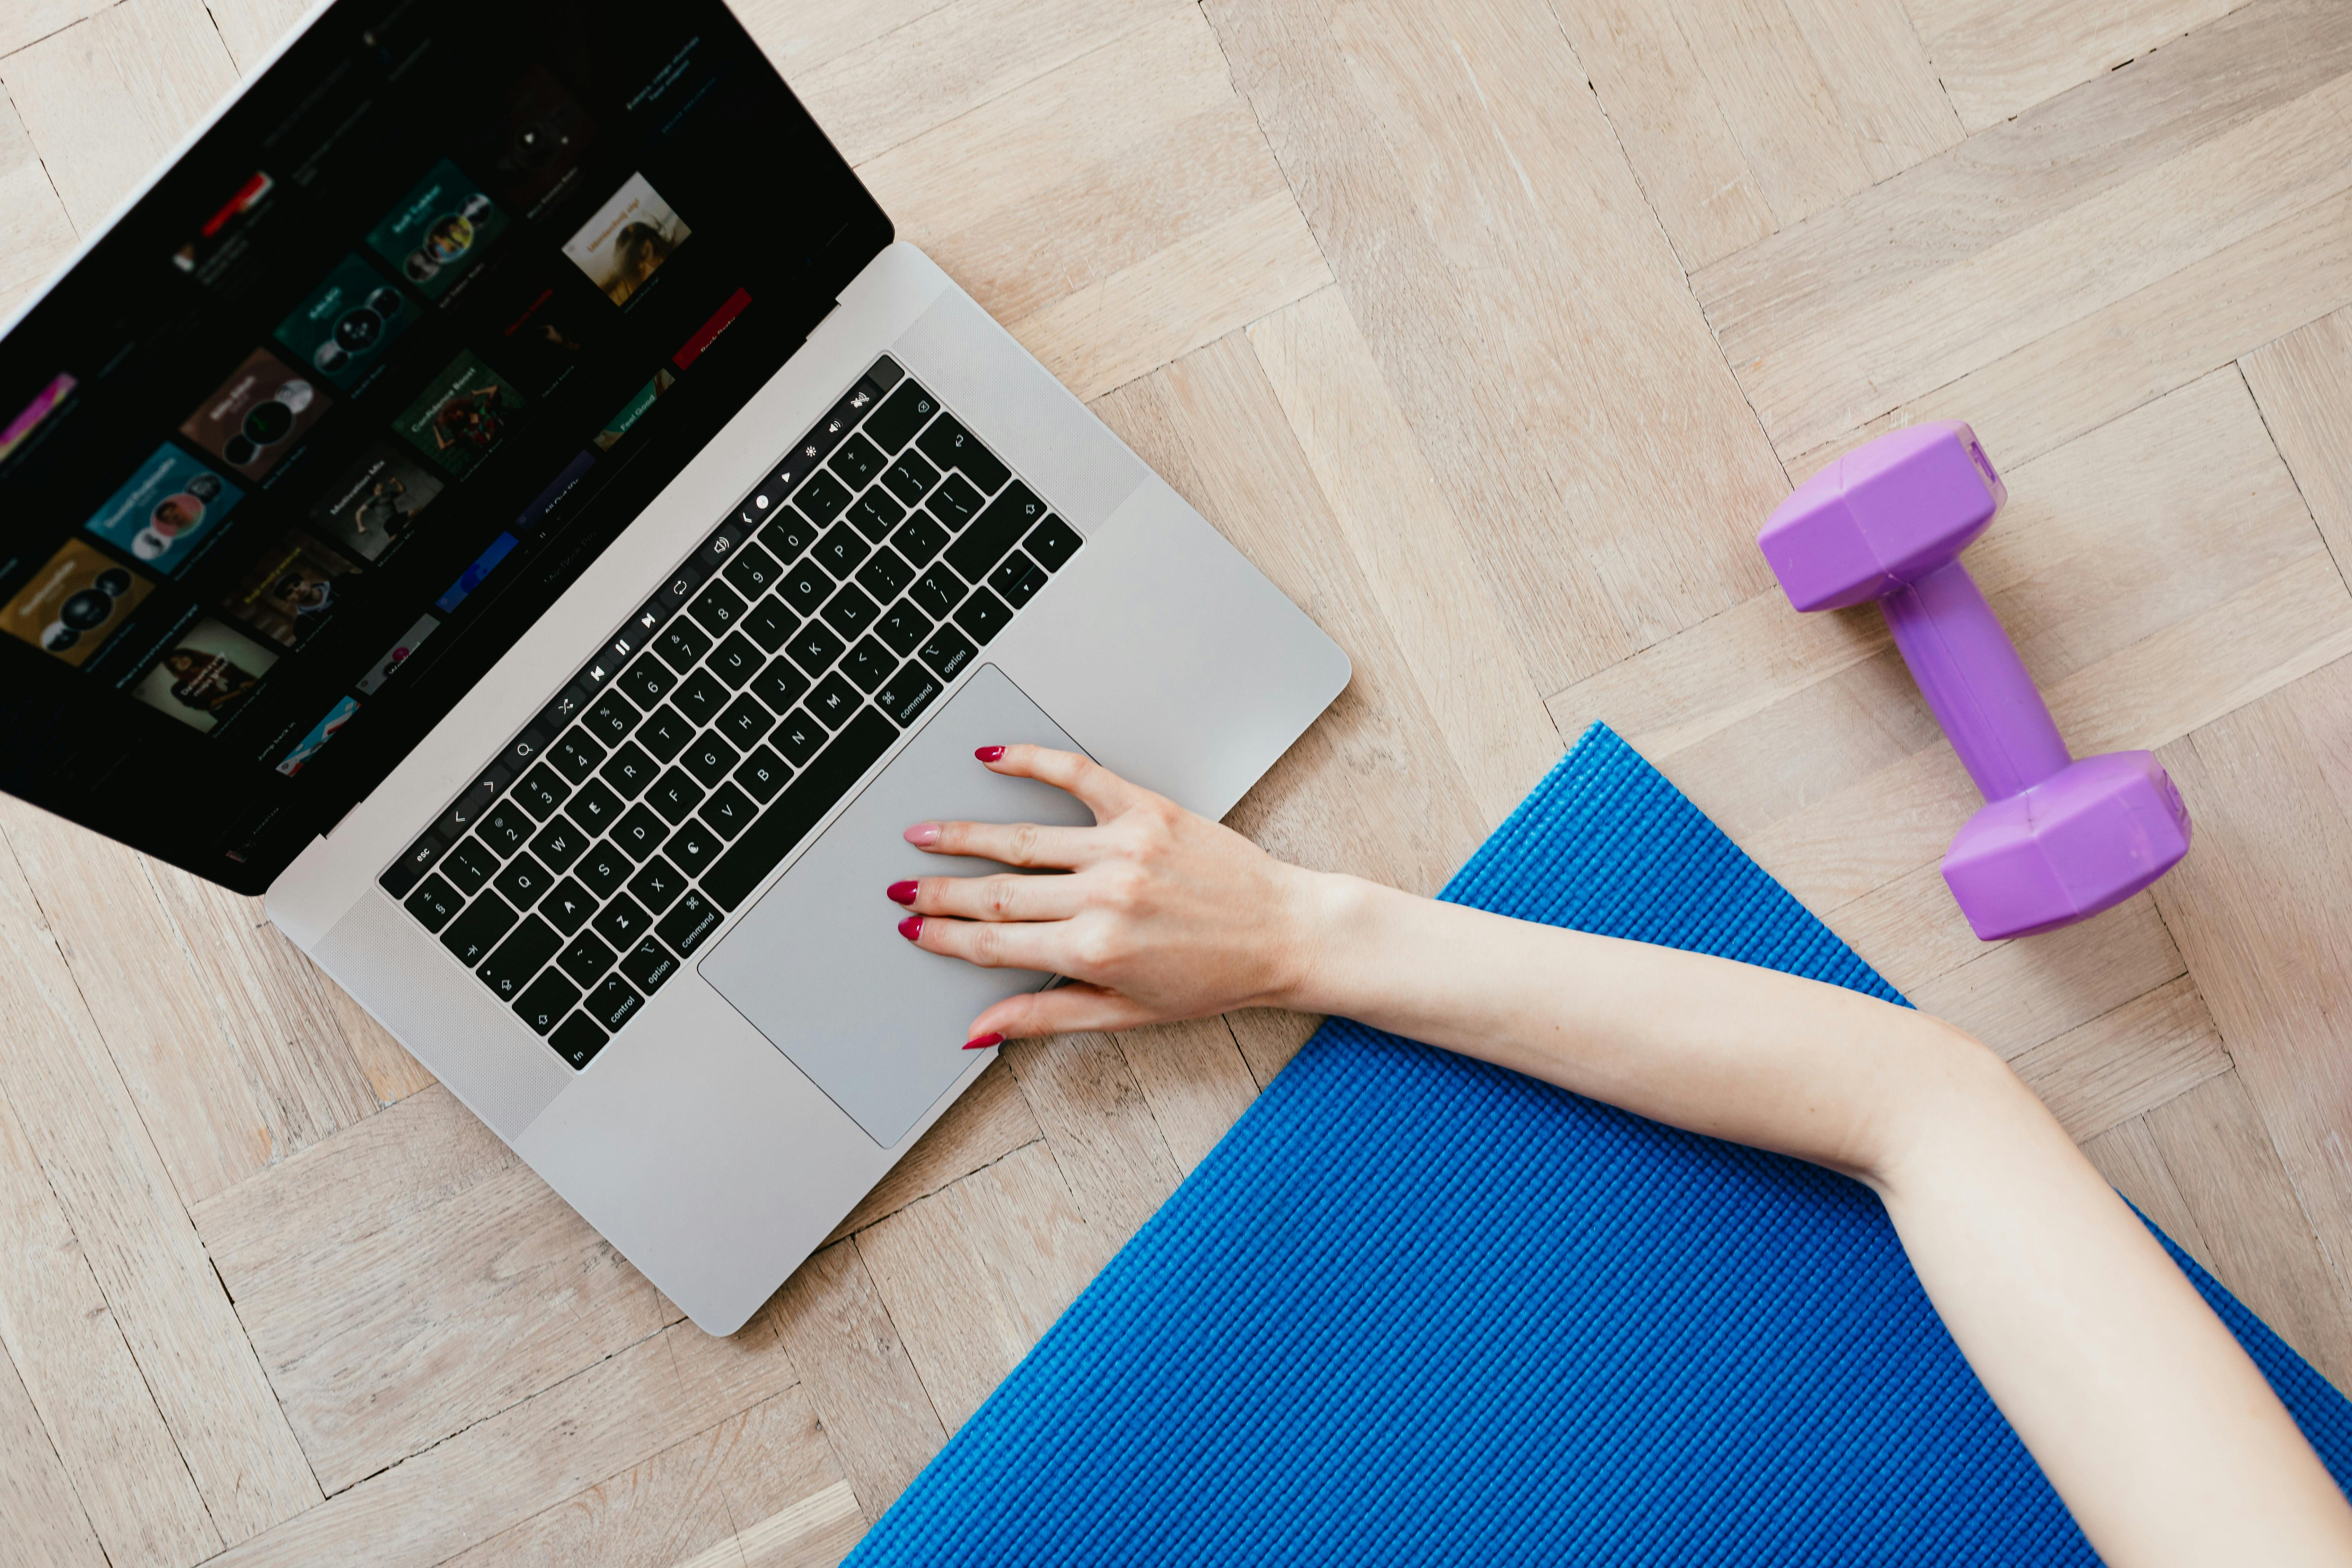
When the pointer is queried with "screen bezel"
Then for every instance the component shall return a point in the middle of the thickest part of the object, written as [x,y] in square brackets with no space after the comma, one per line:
[855,230]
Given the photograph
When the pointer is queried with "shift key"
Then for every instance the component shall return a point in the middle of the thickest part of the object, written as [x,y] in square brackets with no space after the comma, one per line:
[802,805]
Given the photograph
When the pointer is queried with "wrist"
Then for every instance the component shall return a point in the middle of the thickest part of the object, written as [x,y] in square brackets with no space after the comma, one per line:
[1324,916]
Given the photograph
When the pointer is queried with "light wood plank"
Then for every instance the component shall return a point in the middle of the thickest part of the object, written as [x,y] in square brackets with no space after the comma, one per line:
[230,1070]
[2304,385]
[2021,230]
[2070,381]
[2219,1152]
[535,1456]
[97,1415]
[1098,1129]
[390,1071]
[382,1171]
[1893,100]
[1269,1038]
[1663,109]
[28,21]
[2000,58]
[858,1376]
[748,1367]
[2100,541]
[1903,343]
[664,1508]
[271,1009]
[1825,97]
[249,29]
[1094,167]
[945,62]
[2213,663]
[2127,1156]
[814,1532]
[2143,1055]
[1497,254]
[410,1277]
[989,1122]
[1732,668]
[2018,995]
[1195,1081]
[1840,730]
[106,98]
[767,1467]
[111,1184]
[35,234]
[973,1275]
[1410,548]
[1999,183]
[2254,908]
[1116,212]
[1800,146]
[1141,317]
[1907,929]
[383,1345]
[45,1524]
[798,36]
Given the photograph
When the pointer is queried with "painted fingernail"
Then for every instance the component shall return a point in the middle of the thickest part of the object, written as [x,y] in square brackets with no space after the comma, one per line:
[923,833]
[990,753]
[982,1043]
[911,928]
[900,892]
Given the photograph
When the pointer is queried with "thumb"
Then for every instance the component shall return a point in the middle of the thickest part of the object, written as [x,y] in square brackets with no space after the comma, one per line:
[1065,1009]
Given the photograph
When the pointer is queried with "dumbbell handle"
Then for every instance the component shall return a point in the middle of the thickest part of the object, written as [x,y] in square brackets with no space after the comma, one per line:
[1974,682]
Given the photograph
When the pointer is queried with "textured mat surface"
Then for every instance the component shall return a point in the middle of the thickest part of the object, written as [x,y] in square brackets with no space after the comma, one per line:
[1413,1309]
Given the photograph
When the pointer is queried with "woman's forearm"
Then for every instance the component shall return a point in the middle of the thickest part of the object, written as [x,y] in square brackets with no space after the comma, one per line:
[1727,1049]
[2148,1417]
[2156,1428]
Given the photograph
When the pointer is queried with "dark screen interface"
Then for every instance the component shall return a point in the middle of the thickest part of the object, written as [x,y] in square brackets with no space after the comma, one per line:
[347,400]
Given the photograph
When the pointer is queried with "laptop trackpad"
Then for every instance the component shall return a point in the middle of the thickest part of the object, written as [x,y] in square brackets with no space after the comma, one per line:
[818,966]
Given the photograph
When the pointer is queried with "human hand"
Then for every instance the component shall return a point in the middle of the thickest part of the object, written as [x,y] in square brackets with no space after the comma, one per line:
[1162,914]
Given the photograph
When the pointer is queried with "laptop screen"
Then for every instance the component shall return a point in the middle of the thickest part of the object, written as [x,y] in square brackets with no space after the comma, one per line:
[313,434]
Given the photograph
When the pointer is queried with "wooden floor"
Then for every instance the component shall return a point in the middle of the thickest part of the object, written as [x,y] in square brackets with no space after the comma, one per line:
[1491,330]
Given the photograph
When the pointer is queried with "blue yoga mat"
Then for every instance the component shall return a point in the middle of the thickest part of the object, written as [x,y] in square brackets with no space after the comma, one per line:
[1415,1308]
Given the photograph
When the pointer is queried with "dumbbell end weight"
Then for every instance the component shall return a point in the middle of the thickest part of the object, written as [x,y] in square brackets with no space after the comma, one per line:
[1883,516]
[2071,845]
[2058,840]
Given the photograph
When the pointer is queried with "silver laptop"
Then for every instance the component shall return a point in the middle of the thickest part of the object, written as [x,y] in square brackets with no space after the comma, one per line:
[499,491]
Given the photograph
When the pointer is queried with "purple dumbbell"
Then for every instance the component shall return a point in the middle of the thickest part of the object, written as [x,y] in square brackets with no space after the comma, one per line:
[2057,840]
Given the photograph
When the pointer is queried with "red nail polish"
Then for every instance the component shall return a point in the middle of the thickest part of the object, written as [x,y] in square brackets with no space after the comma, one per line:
[911,928]
[990,753]
[900,892]
[982,1043]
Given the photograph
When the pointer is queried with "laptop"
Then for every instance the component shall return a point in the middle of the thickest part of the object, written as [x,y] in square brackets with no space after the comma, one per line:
[500,493]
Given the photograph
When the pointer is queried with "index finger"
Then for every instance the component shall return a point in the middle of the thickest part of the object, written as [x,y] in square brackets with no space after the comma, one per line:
[1101,791]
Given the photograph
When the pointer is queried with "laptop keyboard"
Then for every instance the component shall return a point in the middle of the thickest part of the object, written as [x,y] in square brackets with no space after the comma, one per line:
[611,838]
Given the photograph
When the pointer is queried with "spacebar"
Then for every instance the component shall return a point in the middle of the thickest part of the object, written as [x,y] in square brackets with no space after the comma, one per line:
[802,805]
